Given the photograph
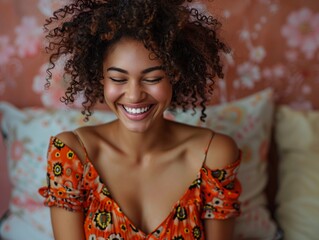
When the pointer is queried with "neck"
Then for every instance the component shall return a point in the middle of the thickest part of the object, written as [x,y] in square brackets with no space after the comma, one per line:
[140,145]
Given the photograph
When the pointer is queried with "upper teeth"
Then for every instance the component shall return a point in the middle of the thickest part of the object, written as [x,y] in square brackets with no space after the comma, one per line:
[136,110]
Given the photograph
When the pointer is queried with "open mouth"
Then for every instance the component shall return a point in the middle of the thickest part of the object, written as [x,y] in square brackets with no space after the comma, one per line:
[137,110]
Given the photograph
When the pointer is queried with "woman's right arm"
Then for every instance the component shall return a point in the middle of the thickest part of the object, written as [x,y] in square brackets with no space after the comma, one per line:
[67,224]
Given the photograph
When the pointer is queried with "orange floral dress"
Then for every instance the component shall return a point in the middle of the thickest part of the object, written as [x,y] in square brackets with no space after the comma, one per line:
[76,186]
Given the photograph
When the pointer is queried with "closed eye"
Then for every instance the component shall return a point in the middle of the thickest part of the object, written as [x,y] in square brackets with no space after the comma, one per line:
[154,80]
[118,80]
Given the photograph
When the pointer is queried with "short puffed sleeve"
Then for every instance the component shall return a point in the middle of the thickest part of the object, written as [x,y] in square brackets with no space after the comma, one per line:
[64,178]
[220,190]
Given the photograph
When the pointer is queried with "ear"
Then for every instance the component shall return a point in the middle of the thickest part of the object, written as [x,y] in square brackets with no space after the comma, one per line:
[102,81]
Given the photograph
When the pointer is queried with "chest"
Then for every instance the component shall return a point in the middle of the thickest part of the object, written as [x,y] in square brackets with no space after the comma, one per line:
[148,195]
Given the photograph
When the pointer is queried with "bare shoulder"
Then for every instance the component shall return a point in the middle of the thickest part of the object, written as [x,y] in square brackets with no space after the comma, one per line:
[222,151]
[71,140]
[197,138]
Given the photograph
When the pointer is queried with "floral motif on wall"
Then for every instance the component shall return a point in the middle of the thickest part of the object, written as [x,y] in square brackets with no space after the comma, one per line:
[51,97]
[302,33]
[281,54]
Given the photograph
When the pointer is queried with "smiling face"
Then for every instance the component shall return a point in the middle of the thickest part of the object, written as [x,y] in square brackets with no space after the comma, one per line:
[136,88]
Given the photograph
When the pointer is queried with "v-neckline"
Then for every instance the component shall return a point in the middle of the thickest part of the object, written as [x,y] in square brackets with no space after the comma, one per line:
[186,192]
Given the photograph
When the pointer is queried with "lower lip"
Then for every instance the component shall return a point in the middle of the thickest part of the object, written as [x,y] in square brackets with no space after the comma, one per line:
[136,117]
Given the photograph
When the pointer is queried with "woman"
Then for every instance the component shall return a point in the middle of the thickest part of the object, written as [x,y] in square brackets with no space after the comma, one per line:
[140,176]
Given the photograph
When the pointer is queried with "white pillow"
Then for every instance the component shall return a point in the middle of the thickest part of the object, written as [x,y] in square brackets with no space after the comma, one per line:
[27,133]
[297,137]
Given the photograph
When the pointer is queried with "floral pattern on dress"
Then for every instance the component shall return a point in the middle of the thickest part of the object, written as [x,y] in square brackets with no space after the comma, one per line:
[76,186]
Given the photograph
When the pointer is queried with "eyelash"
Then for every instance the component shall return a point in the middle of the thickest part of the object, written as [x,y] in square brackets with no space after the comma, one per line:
[156,80]
[118,80]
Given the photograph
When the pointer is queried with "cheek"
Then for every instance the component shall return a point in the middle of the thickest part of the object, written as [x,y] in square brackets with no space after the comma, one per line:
[163,94]
[111,94]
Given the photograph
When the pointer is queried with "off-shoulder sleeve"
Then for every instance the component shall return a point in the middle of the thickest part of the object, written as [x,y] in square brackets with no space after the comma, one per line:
[64,178]
[220,191]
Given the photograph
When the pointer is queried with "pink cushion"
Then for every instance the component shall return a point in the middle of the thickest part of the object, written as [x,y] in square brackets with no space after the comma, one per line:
[5,186]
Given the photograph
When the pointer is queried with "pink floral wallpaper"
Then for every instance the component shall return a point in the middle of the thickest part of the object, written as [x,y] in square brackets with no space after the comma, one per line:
[275,43]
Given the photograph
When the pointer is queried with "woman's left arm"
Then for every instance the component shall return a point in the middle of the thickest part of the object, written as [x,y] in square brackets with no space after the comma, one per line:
[218,229]
[222,152]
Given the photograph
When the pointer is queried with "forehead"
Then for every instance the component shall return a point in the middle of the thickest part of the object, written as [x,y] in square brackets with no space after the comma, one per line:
[128,51]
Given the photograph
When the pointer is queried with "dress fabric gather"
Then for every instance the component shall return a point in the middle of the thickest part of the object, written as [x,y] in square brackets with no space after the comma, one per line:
[76,186]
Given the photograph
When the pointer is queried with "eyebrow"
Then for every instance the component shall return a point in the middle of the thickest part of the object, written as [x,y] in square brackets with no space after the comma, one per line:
[151,69]
[147,70]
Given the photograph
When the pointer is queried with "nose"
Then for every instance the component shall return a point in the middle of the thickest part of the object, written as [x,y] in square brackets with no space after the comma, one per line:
[134,92]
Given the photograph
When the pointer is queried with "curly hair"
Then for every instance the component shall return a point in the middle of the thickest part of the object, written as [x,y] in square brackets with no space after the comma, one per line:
[184,39]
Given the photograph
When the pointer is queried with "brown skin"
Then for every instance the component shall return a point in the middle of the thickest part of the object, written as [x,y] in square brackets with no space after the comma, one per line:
[138,159]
